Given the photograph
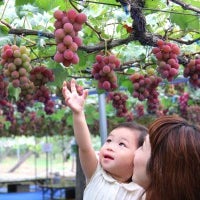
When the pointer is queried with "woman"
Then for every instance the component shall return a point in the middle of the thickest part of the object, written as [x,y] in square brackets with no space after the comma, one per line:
[168,163]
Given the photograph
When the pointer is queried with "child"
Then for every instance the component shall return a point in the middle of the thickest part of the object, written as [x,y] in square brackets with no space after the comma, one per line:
[108,177]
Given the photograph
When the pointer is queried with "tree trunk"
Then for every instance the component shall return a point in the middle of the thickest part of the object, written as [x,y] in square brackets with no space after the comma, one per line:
[80,179]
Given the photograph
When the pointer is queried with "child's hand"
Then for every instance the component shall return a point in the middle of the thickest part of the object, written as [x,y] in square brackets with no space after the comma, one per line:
[72,98]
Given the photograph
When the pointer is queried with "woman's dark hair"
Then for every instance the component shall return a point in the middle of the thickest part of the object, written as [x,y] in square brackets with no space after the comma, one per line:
[142,130]
[174,165]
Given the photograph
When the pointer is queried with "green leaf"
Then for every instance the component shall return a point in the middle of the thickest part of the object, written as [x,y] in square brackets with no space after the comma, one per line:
[48,5]
[58,115]
[189,23]
[3,30]
[127,84]
[60,73]
[5,40]
[14,92]
[22,2]
[93,114]
[158,4]
[195,3]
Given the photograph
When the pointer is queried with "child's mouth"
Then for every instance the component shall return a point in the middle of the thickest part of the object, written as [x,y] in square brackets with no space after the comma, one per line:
[108,157]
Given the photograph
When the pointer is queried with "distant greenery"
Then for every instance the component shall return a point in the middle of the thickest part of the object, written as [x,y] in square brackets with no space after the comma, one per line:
[109,30]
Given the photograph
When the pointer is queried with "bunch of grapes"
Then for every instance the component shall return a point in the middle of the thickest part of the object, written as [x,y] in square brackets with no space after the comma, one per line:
[16,67]
[153,102]
[144,85]
[103,71]
[183,103]
[26,95]
[16,64]
[41,75]
[67,25]
[166,54]
[119,103]
[3,87]
[193,114]
[139,110]
[192,70]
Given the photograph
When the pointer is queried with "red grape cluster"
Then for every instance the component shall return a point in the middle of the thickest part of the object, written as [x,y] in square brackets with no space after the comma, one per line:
[103,71]
[183,103]
[153,102]
[139,110]
[40,75]
[3,87]
[192,70]
[166,54]
[119,103]
[67,25]
[144,85]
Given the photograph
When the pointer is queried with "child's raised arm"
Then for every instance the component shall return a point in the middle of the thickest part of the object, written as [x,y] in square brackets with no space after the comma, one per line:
[76,102]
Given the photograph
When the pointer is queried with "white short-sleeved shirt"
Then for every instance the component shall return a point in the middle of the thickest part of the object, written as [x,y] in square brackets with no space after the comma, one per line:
[103,187]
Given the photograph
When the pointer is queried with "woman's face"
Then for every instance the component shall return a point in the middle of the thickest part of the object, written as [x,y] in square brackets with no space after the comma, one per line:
[141,158]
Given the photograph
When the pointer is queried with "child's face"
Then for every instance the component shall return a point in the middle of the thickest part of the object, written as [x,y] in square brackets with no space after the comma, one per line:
[116,155]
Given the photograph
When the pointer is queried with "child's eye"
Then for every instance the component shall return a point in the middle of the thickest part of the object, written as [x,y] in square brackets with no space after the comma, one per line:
[108,140]
[122,144]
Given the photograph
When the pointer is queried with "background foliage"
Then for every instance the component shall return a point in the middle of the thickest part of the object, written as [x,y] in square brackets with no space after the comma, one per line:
[109,29]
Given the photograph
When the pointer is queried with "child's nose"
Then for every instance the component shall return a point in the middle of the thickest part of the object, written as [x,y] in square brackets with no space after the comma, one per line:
[111,147]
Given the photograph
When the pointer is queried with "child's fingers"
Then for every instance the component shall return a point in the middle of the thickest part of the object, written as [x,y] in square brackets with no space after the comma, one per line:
[64,84]
[85,94]
[65,90]
[73,85]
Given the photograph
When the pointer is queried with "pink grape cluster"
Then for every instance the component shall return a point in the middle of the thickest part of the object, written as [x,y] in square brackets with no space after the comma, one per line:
[139,110]
[153,102]
[144,85]
[16,67]
[67,26]
[41,75]
[166,54]
[192,70]
[119,101]
[16,64]
[183,103]
[103,71]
